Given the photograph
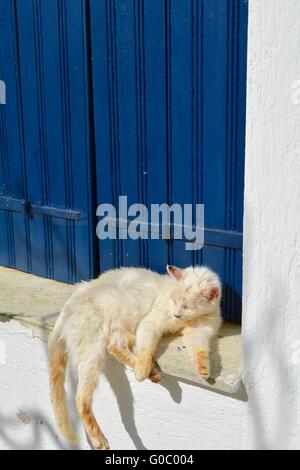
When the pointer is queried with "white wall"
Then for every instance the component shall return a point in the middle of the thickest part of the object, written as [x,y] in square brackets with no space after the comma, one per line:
[272,225]
[177,415]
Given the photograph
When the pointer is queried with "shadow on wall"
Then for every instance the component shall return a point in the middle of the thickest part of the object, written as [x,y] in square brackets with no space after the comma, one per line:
[275,363]
[117,378]
[121,387]
[35,422]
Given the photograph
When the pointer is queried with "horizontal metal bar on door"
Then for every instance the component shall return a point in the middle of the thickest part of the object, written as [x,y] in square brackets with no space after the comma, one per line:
[212,236]
[25,207]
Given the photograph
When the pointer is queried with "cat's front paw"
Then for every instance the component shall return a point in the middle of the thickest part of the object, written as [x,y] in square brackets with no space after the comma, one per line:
[143,367]
[203,365]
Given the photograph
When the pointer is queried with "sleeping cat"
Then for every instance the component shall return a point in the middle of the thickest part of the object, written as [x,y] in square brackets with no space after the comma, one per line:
[124,313]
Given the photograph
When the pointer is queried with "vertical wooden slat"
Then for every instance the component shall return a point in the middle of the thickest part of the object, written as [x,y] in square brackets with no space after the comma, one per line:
[104,118]
[12,149]
[156,84]
[181,77]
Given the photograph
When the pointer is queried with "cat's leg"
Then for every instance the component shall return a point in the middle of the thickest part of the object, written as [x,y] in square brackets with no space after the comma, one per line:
[88,377]
[147,337]
[121,345]
[198,342]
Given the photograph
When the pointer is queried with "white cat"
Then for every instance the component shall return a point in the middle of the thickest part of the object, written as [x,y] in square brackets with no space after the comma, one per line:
[125,312]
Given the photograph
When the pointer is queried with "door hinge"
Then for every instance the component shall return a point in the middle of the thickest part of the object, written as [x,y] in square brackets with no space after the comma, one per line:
[26,207]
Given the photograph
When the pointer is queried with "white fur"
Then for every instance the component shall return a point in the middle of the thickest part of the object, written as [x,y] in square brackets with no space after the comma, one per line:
[128,306]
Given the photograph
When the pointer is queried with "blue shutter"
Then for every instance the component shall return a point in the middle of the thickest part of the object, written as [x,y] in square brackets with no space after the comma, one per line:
[45,174]
[169,84]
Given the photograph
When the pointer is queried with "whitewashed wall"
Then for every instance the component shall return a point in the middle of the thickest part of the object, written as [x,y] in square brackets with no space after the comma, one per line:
[177,415]
[272,225]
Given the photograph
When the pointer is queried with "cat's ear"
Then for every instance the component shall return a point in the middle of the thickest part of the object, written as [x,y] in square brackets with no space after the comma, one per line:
[214,293]
[210,293]
[175,272]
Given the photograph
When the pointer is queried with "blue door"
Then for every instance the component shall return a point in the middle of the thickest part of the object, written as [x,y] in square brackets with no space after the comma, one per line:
[143,98]
[46,184]
[169,84]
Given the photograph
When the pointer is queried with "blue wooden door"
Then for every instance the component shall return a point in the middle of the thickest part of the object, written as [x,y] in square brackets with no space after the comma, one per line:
[46,184]
[169,85]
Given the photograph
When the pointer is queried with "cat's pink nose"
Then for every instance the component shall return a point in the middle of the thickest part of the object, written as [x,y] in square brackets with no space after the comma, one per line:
[177,316]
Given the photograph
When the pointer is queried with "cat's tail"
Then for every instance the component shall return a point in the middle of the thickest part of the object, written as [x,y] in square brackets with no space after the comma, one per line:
[58,364]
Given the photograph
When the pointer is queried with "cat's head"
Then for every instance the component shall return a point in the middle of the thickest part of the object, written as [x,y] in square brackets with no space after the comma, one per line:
[196,292]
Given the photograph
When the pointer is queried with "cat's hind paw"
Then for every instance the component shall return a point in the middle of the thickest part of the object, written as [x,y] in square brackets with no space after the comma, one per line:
[143,367]
[100,442]
[155,375]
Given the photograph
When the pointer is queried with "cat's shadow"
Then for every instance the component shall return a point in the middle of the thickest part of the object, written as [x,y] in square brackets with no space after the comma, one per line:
[171,384]
[118,380]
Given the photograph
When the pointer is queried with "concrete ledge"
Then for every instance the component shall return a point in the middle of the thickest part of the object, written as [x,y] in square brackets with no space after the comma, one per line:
[37,302]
